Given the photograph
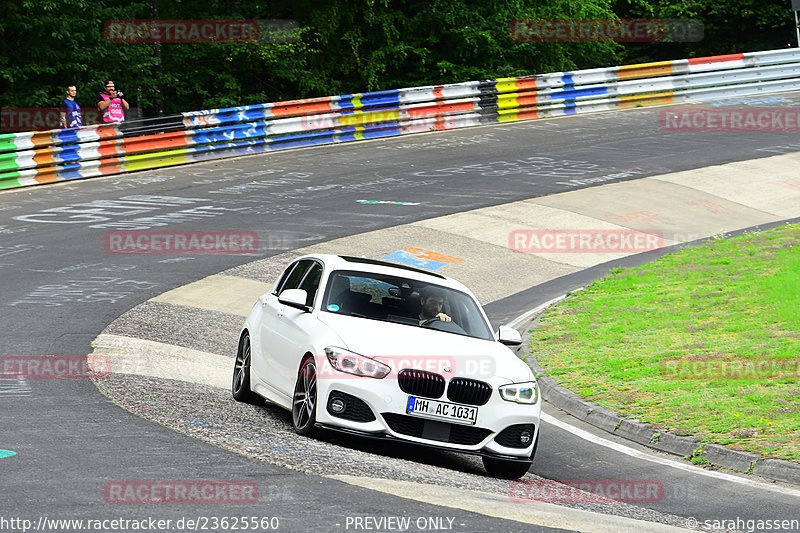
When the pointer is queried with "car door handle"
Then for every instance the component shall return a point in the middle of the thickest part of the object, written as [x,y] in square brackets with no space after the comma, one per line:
[279,311]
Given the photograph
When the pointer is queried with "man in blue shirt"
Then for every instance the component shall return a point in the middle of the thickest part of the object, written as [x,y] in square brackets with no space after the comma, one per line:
[70,110]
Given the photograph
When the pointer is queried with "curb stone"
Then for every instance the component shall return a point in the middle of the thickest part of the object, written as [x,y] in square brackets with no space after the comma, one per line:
[777,469]
[646,434]
[734,459]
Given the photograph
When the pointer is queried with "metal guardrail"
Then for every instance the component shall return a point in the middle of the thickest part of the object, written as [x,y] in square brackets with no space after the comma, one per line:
[34,158]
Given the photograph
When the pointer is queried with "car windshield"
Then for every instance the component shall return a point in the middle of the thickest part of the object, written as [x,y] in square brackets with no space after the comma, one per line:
[404,301]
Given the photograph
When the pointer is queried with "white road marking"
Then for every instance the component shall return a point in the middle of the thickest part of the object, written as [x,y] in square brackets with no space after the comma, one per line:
[621,448]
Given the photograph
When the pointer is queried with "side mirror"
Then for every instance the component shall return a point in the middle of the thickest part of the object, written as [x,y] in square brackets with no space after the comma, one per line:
[509,336]
[295,298]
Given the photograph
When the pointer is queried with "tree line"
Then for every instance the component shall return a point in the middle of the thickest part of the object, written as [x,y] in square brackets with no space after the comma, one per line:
[309,48]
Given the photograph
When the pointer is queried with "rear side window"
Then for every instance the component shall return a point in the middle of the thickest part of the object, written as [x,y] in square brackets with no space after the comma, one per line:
[294,275]
[310,282]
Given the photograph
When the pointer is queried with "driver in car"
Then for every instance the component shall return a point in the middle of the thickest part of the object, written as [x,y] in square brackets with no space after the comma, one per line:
[431,301]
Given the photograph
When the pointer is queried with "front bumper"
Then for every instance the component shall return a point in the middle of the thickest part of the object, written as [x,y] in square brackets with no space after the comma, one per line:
[393,439]
[391,422]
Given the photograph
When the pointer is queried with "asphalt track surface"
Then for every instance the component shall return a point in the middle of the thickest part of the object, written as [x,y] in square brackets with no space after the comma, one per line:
[60,289]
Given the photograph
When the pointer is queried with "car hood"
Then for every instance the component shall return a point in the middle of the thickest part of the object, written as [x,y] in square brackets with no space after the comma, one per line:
[403,346]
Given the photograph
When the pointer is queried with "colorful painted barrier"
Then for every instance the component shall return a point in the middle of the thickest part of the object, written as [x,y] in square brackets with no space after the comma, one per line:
[33,158]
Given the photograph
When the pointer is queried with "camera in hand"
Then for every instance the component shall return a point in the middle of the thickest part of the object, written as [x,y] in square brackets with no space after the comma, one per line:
[119,94]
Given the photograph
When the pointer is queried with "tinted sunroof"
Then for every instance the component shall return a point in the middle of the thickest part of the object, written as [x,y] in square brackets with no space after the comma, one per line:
[351,259]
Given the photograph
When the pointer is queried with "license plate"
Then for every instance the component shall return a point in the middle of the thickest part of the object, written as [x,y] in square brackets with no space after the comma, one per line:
[450,412]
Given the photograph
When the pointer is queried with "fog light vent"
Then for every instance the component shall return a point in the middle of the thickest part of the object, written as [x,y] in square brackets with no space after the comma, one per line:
[516,436]
[343,405]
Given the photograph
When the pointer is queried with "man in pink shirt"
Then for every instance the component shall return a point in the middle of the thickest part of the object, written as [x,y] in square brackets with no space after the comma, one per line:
[111,103]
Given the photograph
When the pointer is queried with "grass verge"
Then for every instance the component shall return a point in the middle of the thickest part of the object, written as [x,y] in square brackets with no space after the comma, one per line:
[703,342]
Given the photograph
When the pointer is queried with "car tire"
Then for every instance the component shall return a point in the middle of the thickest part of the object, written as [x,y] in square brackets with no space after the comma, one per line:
[304,399]
[240,384]
[505,469]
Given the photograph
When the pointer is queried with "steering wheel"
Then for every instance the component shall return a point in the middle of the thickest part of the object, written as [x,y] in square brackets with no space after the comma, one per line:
[430,321]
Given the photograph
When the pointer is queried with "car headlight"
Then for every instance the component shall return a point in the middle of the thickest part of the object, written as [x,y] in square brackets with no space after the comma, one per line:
[527,392]
[353,363]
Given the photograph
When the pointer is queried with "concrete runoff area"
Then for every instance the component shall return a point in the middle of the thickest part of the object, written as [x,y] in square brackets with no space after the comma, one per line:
[744,183]
[227,294]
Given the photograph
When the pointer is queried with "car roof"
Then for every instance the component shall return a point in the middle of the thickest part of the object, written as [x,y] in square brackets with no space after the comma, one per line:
[377,262]
[348,262]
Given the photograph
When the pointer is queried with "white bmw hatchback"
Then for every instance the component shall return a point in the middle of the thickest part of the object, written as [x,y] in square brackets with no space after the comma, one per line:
[387,351]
